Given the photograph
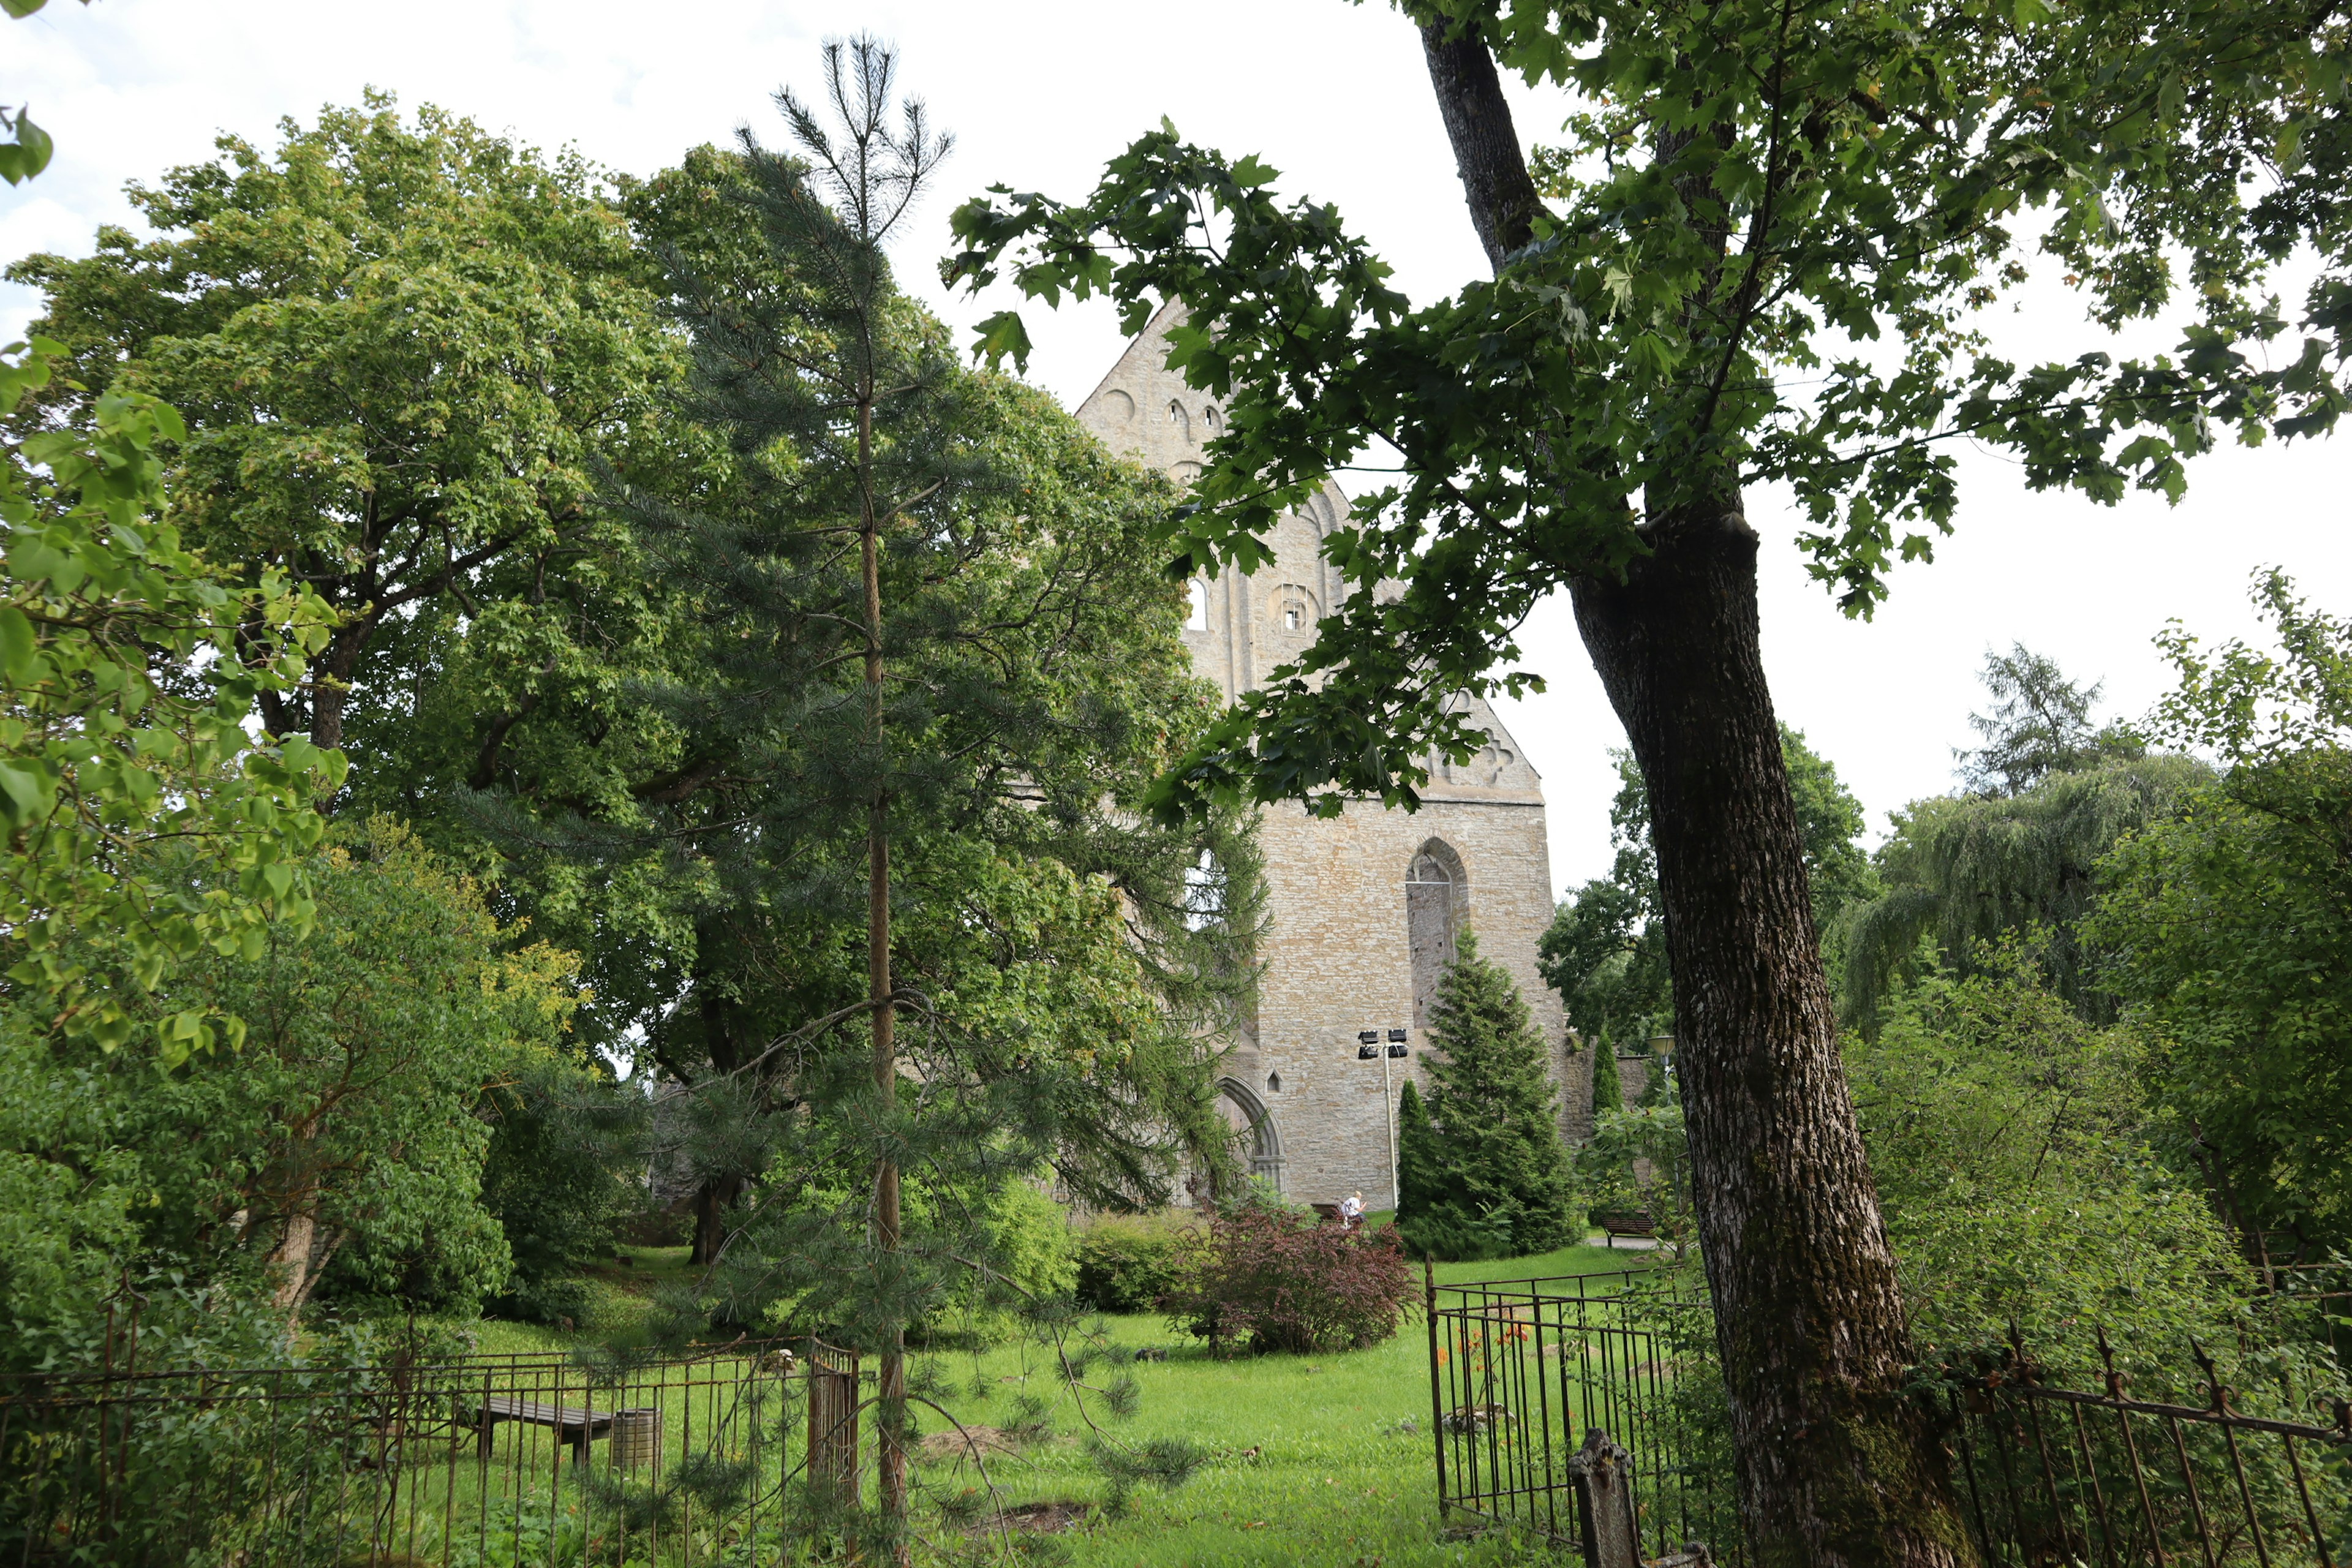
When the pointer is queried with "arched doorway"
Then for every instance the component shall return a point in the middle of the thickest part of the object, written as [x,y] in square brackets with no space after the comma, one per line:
[1256,1139]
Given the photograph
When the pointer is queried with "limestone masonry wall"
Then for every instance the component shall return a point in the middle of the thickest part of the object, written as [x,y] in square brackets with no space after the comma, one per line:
[1340,952]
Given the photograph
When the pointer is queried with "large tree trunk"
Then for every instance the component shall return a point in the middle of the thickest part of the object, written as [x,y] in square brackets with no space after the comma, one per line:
[1836,1465]
[712,1199]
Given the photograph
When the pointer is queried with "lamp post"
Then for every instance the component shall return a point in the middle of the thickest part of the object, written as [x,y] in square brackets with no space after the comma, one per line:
[1368,1045]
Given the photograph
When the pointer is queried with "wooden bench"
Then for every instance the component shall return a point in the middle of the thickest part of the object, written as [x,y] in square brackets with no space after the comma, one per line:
[1638,1223]
[575,1427]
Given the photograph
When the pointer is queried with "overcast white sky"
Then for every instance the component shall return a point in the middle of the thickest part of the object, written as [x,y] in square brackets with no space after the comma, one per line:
[1333,95]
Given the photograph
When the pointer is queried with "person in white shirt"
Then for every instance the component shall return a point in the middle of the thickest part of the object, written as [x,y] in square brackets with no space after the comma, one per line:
[1351,1210]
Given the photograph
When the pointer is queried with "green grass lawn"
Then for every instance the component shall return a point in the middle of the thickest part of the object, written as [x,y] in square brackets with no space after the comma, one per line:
[1317,1460]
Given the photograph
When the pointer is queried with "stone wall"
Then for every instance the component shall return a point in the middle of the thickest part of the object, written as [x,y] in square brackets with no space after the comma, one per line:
[1341,952]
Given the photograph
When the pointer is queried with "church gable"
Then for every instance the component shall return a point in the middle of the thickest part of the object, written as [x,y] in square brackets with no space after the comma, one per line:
[1364,909]
[1245,626]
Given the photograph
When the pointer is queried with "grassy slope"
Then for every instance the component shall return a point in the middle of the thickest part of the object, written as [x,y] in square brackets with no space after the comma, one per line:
[1336,1477]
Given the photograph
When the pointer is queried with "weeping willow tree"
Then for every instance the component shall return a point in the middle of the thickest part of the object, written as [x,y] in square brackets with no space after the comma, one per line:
[1961,871]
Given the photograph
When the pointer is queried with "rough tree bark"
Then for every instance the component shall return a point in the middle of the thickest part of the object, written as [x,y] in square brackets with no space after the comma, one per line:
[1836,1465]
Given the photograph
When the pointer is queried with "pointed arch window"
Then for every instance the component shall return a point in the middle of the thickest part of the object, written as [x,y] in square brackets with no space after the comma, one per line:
[1436,899]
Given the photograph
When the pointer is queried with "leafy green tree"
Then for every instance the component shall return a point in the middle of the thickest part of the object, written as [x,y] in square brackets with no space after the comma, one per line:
[1606,951]
[345,1130]
[413,357]
[1496,1168]
[2040,725]
[1753,260]
[1638,1160]
[1420,1165]
[2050,793]
[1608,1083]
[2225,923]
[406,355]
[563,1168]
[124,672]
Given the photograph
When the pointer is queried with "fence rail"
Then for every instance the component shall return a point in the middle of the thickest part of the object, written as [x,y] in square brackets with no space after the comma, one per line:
[2124,1481]
[2053,1469]
[505,1460]
[1521,1373]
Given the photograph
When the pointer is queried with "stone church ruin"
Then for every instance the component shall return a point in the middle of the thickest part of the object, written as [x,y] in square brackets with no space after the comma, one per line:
[1363,909]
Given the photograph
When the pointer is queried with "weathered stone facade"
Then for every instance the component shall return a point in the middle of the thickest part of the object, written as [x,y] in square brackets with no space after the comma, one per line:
[1363,908]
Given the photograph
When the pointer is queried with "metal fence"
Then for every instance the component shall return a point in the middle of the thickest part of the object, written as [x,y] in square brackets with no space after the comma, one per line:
[1521,1372]
[2053,1467]
[505,1460]
[2053,1471]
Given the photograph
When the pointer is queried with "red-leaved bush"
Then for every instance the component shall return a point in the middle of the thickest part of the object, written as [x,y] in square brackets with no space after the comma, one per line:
[1276,1280]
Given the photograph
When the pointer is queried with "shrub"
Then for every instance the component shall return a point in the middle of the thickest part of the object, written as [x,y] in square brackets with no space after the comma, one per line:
[1276,1280]
[1122,1268]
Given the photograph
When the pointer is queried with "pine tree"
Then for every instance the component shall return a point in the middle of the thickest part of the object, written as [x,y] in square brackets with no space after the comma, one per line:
[1498,1160]
[939,666]
[1608,1088]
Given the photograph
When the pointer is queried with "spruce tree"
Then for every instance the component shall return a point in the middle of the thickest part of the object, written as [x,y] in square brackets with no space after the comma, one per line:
[1421,1172]
[1608,1087]
[1497,1135]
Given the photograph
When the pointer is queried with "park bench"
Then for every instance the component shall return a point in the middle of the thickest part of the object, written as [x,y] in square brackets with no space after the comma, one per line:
[571,1424]
[1637,1223]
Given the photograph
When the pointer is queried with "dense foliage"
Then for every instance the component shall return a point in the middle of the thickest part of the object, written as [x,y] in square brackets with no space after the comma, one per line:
[404,354]
[127,664]
[2226,924]
[946,667]
[2010,1141]
[1491,1178]
[561,1175]
[410,355]
[1606,951]
[1125,1267]
[341,1144]
[2017,848]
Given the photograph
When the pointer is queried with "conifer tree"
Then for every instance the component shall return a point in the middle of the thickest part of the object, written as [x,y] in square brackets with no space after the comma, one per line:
[1499,1156]
[937,950]
[1608,1087]
[1420,1162]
